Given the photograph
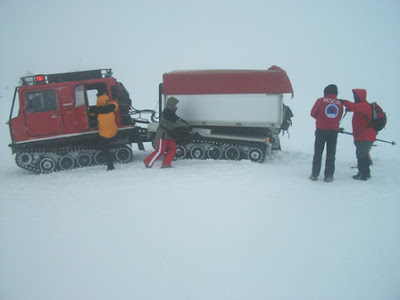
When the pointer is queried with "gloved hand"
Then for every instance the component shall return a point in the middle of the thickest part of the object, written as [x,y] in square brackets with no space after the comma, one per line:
[196,136]
[341,129]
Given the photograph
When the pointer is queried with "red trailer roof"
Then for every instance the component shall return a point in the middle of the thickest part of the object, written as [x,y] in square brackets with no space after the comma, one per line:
[194,82]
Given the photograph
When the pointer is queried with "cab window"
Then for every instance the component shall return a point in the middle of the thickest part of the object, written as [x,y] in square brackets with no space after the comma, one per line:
[79,95]
[41,101]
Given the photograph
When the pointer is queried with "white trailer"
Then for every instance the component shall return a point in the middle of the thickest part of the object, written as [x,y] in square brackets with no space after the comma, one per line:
[234,110]
[238,113]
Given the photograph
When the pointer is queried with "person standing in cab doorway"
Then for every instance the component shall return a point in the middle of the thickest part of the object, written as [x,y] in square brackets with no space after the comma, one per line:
[328,112]
[169,123]
[364,135]
[105,115]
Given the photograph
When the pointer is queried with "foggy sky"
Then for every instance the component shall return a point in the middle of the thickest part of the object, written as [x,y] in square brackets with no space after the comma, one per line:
[355,44]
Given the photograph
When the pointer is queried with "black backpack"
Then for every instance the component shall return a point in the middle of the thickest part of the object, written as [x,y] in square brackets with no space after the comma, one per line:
[287,118]
[379,120]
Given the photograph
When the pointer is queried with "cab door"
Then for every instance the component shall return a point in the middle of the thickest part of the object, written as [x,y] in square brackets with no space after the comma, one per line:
[81,108]
[42,113]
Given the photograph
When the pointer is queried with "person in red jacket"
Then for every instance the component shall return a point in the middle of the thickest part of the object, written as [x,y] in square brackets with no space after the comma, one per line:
[364,135]
[327,111]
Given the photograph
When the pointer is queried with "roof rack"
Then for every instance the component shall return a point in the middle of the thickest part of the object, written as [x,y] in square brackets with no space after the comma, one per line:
[63,77]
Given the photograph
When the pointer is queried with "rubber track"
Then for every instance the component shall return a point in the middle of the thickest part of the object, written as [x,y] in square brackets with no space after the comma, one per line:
[37,153]
[243,146]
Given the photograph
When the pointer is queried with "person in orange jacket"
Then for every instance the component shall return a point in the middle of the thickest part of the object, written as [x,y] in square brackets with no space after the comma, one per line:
[105,115]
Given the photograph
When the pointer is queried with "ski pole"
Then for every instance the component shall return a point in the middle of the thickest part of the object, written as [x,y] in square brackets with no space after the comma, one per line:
[393,143]
[345,132]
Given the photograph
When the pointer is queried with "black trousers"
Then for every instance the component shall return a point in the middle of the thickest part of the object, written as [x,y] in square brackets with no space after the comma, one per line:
[104,146]
[362,152]
[322,137]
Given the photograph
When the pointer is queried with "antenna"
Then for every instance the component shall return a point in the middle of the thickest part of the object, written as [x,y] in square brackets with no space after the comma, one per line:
[80,62]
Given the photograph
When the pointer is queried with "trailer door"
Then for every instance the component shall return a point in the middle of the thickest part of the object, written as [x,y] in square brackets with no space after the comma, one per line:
[42,113]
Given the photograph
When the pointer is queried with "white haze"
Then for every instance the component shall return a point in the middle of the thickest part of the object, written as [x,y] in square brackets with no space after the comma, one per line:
[205,230]
[354,44]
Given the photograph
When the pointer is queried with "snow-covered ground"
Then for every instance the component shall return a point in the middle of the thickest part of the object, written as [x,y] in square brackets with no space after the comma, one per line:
[202,230]
[205,229]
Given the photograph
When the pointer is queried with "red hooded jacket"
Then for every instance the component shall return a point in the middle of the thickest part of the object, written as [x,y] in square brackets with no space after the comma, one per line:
[327,111]
[362,111]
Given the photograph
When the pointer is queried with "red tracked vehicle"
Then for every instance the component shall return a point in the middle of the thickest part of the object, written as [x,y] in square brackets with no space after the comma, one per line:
[237,114]
[52,127]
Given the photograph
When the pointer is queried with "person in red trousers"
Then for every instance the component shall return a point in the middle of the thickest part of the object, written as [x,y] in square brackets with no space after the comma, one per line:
[169,122]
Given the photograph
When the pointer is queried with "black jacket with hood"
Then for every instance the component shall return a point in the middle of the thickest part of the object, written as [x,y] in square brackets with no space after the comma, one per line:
[169,121]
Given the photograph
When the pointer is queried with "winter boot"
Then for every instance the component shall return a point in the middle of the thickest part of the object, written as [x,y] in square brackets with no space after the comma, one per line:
[363,169]
[360,176]
[109,160]
[110,166]
[314,178]
[328,178]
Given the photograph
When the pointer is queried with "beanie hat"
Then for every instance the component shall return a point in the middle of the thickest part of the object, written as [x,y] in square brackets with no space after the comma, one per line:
[101,92]
[331,89]
[172,102]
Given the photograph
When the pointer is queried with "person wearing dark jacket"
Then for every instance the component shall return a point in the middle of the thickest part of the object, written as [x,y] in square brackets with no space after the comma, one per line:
[327,111]
[364,135]
[105,115]
[169,123]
